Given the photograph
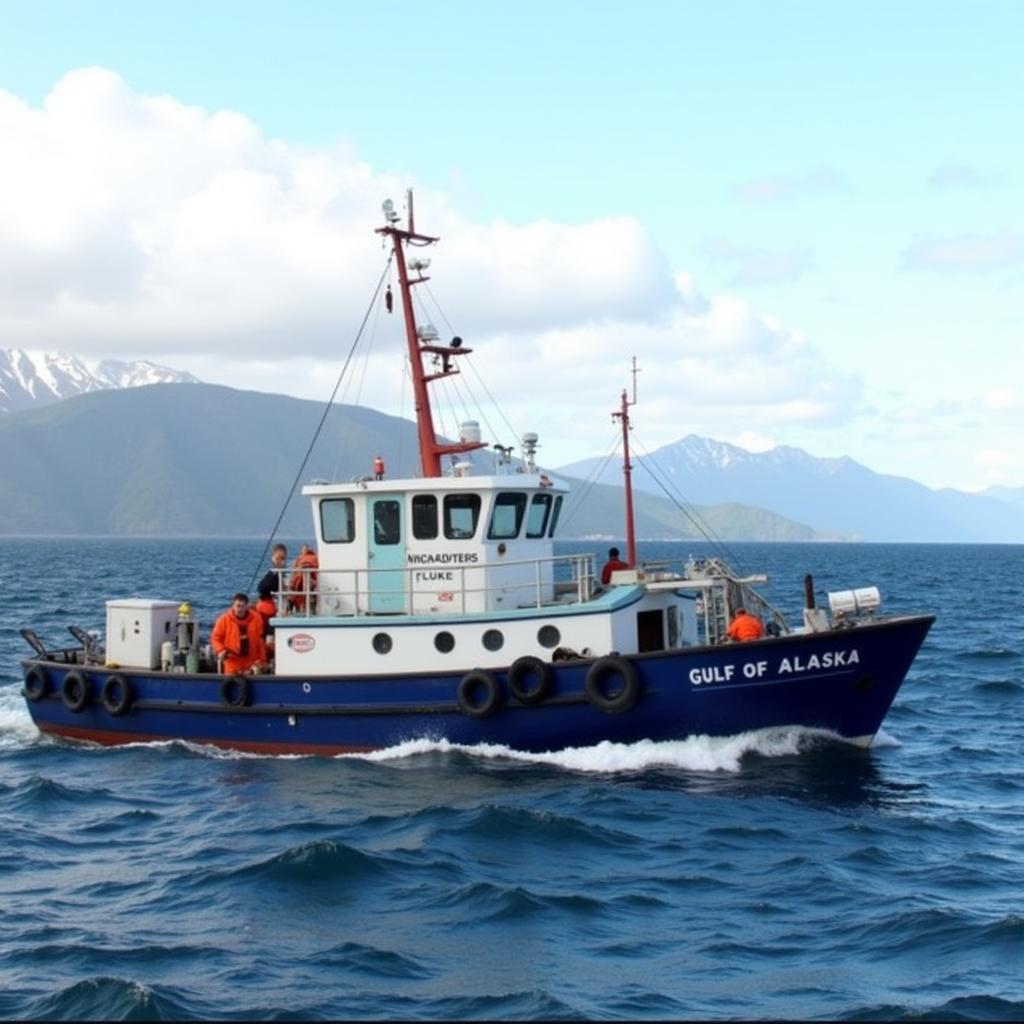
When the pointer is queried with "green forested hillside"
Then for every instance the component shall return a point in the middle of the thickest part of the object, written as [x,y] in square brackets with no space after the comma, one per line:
[197,459]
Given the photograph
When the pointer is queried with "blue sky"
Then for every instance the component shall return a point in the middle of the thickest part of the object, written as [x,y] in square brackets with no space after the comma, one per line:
[823,197]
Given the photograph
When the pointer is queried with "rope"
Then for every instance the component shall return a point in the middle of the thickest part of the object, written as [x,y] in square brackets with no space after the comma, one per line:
[681,502]
[591,481]
[320,425]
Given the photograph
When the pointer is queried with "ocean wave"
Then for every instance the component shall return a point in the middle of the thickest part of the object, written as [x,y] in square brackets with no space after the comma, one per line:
[695,754]
[312,863]
[110,998]
[359,958]
[974,1007]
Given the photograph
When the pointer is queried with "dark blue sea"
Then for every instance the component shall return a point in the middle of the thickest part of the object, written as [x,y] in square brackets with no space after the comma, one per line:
[766,875]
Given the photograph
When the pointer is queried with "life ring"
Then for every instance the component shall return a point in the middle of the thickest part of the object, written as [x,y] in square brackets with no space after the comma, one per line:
[471,686]
[529,680]
[610,669]
[37,684]
[74,691]
[117,696]
[236,692]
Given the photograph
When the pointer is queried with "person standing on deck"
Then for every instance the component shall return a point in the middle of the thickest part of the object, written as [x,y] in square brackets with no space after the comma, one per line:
[237,638]
[272,582]
[745,626]
[614,564]
[303,579]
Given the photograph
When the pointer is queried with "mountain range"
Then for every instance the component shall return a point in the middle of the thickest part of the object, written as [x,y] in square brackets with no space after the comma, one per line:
[137,448]
[838,494]
[199,459]
[30,379]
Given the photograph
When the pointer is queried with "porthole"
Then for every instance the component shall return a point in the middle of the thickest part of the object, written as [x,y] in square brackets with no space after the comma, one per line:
[382,643]
[548,636]
[493,639]
[444,642]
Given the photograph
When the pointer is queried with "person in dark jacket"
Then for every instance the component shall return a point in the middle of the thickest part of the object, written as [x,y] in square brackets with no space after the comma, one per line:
[271,582]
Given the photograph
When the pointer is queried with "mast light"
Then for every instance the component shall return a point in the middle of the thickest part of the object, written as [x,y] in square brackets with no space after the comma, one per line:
[419,264]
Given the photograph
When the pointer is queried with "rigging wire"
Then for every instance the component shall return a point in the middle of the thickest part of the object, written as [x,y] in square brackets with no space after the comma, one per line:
[687,508]
[512,430]
[401,418]
[591,481]
[366,352]
[320,425]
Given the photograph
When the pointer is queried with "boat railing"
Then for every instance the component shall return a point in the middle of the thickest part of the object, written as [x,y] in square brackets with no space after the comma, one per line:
[519,584]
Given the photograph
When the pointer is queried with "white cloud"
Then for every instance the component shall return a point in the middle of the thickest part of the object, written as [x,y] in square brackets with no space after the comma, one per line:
[783,188]
[138,226]
[756,265]
[1004,399]
[954,175]
[965,252]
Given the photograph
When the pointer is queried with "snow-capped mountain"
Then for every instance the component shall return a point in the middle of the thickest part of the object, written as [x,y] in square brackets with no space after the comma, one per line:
[828,493]
[29,379]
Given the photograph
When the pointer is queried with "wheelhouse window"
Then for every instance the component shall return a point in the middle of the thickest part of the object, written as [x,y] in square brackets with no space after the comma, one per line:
[424,516]
[386,522]
[507,517]
[337,520]
[461,513]
[537,520]
[554,516]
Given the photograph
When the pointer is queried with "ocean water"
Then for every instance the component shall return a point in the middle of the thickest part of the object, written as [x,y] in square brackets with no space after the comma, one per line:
[777,874]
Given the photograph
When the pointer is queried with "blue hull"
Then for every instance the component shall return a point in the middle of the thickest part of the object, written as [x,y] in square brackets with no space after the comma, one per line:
[843,681]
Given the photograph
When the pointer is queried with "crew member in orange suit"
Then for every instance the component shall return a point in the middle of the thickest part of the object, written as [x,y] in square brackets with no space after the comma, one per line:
[745,626]
[378,468]
[237,638]
[298,583]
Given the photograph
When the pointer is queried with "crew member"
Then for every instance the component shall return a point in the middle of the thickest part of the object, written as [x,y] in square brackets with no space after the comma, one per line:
[378,468]
[613,564]
[745,626]
[271,582]
[237,638]
[303,579]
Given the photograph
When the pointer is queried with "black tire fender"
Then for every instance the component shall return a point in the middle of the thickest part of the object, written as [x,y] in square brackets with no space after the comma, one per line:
[75,692]
[530,680]
[37,684]
[471,686]
[608,670]
[117,696]
[236,692]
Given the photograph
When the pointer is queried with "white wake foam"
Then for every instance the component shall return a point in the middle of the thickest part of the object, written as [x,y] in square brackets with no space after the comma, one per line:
[16,726]
[697,753]
[884,739]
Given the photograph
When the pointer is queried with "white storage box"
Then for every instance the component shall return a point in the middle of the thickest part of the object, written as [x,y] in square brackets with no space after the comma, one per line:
[135,630]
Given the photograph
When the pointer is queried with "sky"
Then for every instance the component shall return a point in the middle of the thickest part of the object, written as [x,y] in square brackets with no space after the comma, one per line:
[805,220]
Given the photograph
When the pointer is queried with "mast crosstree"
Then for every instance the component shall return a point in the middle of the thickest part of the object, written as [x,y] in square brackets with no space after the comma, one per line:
[422,342]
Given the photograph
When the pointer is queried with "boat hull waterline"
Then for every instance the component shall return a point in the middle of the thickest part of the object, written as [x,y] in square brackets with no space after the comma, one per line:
[842,681]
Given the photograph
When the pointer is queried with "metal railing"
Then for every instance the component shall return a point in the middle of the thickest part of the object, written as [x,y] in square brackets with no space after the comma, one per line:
[528,583]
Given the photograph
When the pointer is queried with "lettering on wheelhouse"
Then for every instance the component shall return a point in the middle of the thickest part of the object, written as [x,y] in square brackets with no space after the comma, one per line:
[445,558]
[794,665]
[441,558]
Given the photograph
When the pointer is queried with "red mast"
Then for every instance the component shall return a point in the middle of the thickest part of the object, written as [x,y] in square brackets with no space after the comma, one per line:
[419,345]
[627,469]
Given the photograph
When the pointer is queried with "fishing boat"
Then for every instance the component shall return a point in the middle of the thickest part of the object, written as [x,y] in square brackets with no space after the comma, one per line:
[439,609]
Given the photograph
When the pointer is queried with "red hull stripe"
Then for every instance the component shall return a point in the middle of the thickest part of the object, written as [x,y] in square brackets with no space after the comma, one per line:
[114,739]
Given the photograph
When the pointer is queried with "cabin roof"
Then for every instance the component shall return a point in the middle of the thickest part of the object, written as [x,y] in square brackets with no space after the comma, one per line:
[441,484]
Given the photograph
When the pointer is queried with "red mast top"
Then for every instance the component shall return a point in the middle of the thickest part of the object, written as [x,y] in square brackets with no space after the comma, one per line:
[627,468]
[420,342]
